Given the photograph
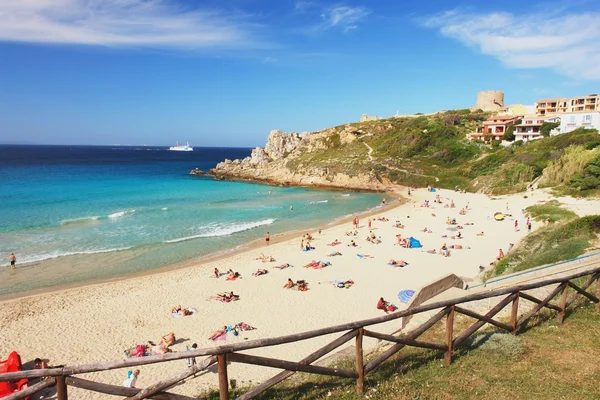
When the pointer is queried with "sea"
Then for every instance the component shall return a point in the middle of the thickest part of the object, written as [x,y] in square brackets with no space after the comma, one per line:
[76,214]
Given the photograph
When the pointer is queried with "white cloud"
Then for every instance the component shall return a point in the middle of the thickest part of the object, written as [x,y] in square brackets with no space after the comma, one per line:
[343,17]
[152,23]
[302,6]
[567,43]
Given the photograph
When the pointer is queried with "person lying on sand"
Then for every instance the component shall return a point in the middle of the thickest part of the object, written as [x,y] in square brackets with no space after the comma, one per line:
[160,348]
[289,284]
[218,333]
[432,251]
[352,244]
[317,264]
[232,275]
[480,233]
[426,230]
[334,243]
[282,266]
[383,305]
[397,263]
[456,246]
[264,258]
[337,253]
[260,272]
[167,339]
[302,285]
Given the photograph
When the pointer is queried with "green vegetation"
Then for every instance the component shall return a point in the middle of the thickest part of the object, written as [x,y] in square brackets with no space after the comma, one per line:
[434,149]
[547,361]
[565,237]
[547,127]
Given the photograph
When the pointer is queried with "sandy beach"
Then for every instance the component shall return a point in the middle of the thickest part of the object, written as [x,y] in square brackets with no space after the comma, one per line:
[98,322]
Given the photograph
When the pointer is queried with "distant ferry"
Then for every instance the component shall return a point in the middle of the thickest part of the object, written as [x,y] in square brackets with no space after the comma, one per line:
[185,147]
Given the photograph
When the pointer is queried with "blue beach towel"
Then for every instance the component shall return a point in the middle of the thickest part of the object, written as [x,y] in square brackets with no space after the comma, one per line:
[414,243]
[405,295]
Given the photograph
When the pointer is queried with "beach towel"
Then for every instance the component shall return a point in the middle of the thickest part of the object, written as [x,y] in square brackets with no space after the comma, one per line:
[342,284]
[405,295]
[222,336]
[414,243]
[233,278]
[311,249]
[361,256]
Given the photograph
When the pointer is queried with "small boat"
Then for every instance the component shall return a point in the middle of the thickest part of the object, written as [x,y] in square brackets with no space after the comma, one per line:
[185,147]
[12,364]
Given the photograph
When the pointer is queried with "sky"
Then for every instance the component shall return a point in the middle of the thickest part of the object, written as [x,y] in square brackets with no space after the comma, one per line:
[225,73]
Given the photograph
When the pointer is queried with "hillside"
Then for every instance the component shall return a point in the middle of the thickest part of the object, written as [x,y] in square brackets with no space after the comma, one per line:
[419,151]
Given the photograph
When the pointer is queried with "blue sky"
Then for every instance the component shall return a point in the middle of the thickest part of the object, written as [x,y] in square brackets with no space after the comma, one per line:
[224,73]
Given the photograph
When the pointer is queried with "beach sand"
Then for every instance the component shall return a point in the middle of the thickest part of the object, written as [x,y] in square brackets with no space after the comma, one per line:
[98,322]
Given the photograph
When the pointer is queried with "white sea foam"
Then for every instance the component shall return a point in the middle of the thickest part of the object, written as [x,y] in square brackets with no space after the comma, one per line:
[58,253]
[346,195]
[81,220]
[121,214]
[319,202]
[165,208]
[215,231]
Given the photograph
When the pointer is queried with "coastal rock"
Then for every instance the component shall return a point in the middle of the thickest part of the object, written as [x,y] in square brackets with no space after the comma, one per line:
[280,144]
[197,171]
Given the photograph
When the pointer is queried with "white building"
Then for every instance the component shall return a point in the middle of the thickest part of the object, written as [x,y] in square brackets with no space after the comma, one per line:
[529,128]
[571,121]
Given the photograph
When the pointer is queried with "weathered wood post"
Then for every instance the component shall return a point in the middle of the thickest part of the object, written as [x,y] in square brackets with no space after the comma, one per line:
[360,368]
[223,381]
[563,305]
[514,314]
[449,336]
[61,388]
[598,293]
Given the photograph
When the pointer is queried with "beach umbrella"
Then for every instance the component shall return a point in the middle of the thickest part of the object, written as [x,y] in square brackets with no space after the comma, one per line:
[405,295]
[498,216]
[452,228]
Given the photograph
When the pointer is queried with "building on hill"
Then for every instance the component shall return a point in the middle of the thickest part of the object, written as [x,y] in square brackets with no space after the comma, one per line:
[584,103]
[571,121]
[517,109]
[365,118]
[494,128]
[529,128]
[556,105]
[562,105]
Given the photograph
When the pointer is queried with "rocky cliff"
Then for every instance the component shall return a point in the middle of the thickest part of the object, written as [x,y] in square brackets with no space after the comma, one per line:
[287,159]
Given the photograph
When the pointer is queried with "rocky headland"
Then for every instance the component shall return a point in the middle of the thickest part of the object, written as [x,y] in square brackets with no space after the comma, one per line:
[283,162]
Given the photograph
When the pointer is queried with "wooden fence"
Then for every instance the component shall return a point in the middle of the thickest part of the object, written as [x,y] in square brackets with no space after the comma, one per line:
[64,377]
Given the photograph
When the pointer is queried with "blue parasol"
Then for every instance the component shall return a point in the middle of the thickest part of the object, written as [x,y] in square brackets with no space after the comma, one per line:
[405,295]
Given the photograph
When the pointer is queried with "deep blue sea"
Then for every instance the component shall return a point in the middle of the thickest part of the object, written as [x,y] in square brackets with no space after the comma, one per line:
[78,213]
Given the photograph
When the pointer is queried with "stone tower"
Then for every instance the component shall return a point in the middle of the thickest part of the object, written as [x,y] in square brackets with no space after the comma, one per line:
[491,100]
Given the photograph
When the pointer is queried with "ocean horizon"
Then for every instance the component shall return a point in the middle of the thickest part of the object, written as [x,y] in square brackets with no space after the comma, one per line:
[81,213]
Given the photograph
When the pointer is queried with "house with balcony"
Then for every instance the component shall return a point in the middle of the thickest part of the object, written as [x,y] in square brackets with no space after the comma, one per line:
[552,106]
[494,128]
[585,104]
[571,121]
[529,128]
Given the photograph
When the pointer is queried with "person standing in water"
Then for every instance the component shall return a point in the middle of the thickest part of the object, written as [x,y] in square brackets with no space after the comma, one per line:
[13,260]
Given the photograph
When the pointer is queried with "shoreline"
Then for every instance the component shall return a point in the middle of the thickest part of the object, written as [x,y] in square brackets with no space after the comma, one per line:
[213,257]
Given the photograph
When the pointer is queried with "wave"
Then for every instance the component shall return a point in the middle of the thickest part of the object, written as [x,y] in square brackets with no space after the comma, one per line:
[121,214]
[319,202]
[164,208]
[57,254]
[82,220]
[346,195]
[225,230]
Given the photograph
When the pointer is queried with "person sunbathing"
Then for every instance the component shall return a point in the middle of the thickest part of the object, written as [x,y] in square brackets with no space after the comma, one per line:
[444,250]
[337,253]
[302,285]
[218,333]
[290,284]
[383,305]
[160,348]
[264,258]
[167,339]
[456,246]
[462,211]
[282,266]
[432,251]
[232,275]
[176,309]
[312,264]
[352,244]
[397,263]
[480,233]
[335,243]
[231,297]
[260,272]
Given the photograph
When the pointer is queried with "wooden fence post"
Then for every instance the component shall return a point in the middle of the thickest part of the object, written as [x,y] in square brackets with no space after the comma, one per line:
[563,305]
[514,314]
[61,388]
[223,382]
[360,368]
[598,293]
[449,336]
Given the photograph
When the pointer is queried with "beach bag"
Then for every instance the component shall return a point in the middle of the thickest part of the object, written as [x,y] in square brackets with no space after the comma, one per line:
[140,350]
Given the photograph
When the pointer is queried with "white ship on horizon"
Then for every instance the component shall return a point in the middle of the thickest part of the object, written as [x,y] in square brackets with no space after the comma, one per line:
[185,147]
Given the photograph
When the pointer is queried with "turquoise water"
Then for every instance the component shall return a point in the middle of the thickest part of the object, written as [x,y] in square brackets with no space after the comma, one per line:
[135,209]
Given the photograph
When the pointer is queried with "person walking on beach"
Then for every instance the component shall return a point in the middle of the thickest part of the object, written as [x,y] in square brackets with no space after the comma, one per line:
[268,238]
[13,260]
[516,225]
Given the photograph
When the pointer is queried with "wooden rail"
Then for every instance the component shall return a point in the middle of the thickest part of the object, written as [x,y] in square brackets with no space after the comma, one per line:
[61,378]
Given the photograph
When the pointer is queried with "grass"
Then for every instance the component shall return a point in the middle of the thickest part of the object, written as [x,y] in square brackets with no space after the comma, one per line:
[546,361]
[550,210]
[559,241]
